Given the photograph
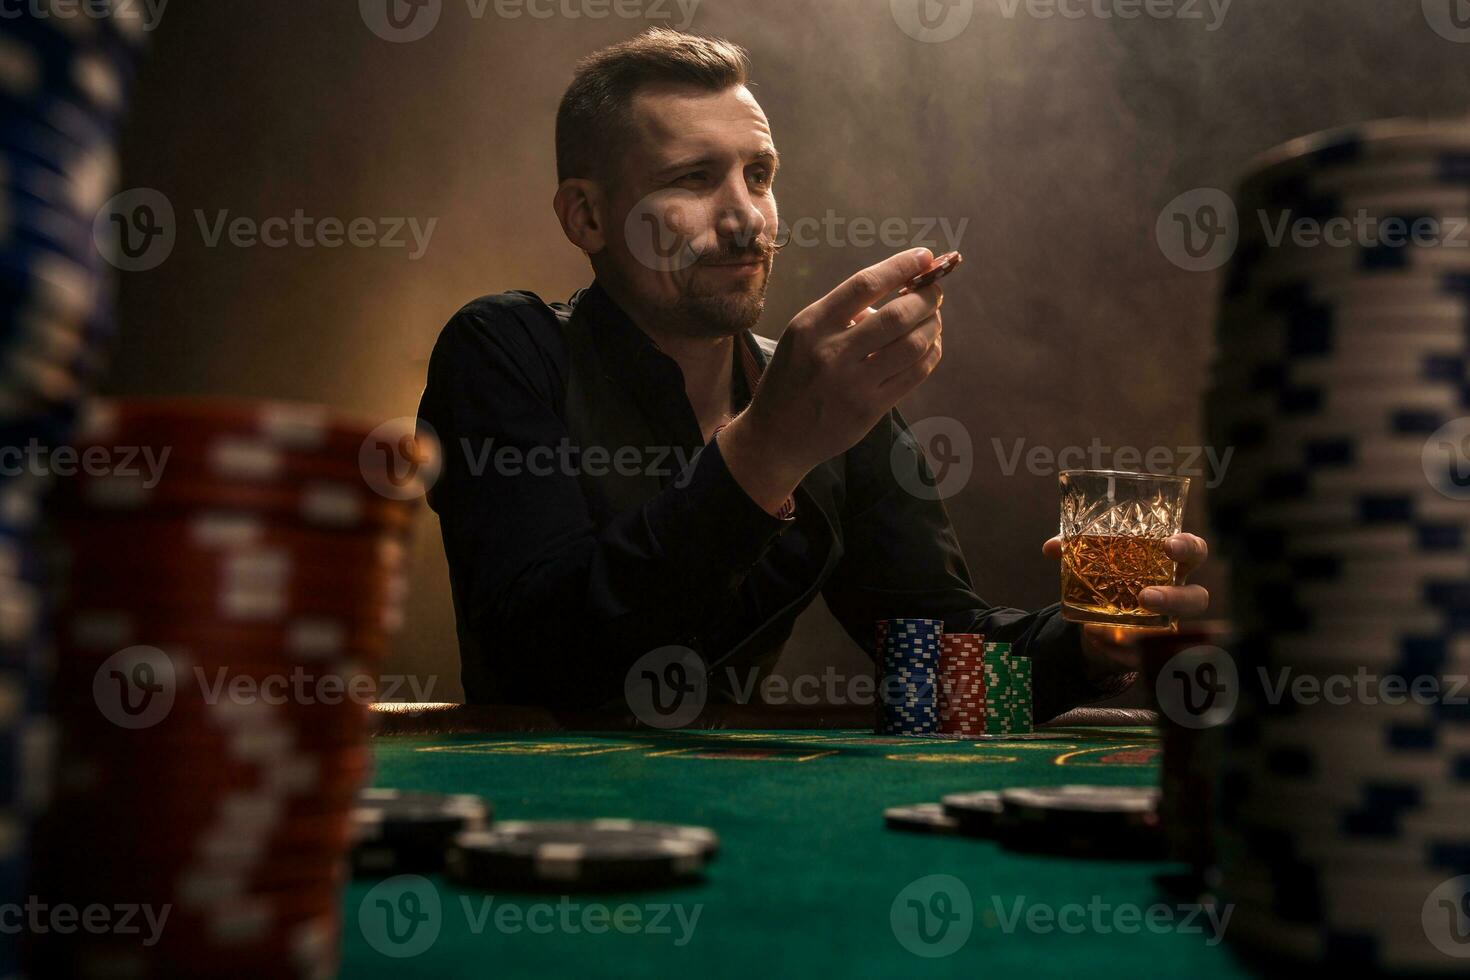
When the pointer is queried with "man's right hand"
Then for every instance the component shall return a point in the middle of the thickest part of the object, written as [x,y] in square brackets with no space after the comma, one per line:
[831,380]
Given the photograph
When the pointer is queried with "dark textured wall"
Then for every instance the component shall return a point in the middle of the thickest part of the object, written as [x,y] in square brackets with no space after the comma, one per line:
[1058,140]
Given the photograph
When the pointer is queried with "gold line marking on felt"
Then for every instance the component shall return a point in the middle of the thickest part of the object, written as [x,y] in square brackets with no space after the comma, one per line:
[1024,746]
[734,755]
[758,736]
[563,749]
[948,757]
[1066,758]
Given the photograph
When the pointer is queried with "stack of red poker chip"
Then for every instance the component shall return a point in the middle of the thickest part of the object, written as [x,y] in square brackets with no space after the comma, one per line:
[962,685]
[222,613]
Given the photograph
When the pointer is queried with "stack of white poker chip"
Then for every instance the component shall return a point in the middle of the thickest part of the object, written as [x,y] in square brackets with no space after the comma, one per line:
[1341,384]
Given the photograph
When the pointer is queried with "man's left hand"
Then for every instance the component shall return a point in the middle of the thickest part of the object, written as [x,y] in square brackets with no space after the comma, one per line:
[1110,650]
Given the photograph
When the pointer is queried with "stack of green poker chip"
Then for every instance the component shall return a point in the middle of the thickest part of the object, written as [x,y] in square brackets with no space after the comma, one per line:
[1021,712]
[1007,691]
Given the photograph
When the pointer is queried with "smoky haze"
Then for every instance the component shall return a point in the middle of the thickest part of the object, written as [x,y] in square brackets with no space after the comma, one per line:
[1053,142]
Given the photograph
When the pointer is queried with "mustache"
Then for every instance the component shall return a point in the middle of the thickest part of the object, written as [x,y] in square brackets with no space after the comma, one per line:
[760,249]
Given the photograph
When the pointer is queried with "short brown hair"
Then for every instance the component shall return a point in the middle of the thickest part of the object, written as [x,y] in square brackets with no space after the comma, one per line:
[591,121]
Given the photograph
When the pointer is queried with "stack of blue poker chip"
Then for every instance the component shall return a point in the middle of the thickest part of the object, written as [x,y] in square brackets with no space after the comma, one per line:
[908,689]
[1342,387]
[64,82]
[65,75]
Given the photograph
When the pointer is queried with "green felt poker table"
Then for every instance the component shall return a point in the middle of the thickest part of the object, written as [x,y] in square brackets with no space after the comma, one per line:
[809,882]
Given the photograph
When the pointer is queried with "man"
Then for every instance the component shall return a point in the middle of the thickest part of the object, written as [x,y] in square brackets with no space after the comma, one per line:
[615,479]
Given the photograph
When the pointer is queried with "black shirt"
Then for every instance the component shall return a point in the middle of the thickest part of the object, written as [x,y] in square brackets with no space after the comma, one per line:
[557,591]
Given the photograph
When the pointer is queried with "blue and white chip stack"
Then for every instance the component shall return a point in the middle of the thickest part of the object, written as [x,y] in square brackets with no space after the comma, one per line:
[1341,384]
[908,676]
[65,71]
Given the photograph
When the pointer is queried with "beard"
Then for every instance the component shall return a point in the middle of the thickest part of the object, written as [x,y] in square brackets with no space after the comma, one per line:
[710,303]
[707,310]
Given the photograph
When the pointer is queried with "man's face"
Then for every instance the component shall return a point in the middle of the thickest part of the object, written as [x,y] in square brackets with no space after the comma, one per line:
[693,213]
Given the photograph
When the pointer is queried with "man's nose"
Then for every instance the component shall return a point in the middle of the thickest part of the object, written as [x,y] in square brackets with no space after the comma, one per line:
[738,219]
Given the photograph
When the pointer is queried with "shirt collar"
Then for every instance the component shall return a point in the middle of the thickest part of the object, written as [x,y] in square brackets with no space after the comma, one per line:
[625,348]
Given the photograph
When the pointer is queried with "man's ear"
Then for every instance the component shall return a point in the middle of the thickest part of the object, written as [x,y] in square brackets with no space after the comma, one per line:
[580,207]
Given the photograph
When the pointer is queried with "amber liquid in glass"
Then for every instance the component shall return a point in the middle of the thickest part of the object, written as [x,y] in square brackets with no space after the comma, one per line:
[1103,574]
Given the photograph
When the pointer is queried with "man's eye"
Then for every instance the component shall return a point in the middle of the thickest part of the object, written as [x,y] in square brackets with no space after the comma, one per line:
[694,175]
[763,177]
